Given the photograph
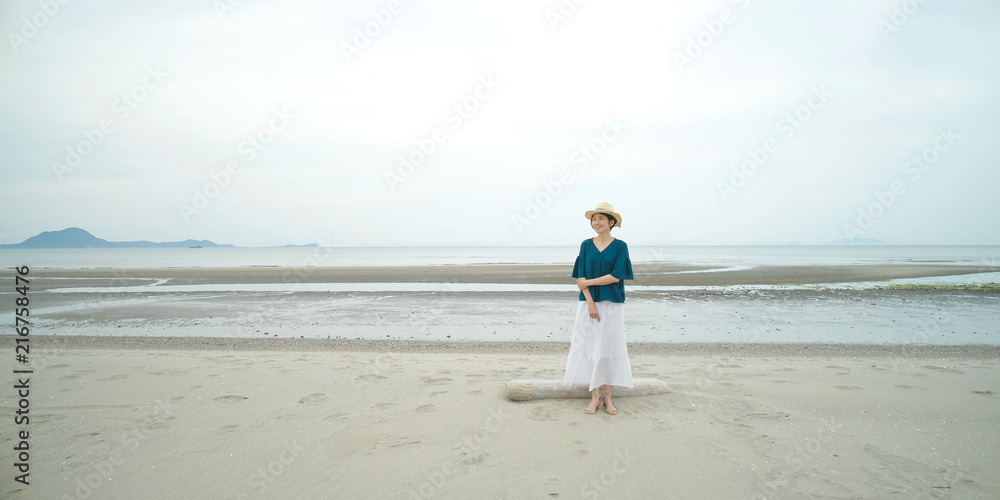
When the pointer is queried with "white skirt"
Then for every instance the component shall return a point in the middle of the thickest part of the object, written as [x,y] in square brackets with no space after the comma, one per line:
[598,354]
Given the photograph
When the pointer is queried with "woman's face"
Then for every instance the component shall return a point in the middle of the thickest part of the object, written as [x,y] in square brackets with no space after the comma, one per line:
[600,223]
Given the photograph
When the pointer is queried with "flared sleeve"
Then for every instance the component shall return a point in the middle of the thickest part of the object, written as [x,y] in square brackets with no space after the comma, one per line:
[623,265]
[579,267]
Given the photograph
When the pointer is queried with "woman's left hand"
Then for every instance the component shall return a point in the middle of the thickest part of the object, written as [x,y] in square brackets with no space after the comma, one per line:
[581,284]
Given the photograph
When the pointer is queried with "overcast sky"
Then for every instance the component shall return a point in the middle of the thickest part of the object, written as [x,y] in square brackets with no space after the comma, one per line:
[726,122]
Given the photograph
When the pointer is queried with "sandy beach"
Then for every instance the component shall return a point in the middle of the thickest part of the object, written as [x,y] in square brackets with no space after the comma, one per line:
[796,390]
[288,418]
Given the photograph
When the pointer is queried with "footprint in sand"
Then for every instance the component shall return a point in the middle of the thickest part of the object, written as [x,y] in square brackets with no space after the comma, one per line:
[850,388]
[662,425]
[313,398]
[910,387]
[426,408]
[582,450]
[541,412]
[115,377]
[474,391]
[773,415]
[944,370]
[552,487]
[230,398]
[984,393]
[476,460]
[650,404]
[151,426]
[58,366]
[435,381]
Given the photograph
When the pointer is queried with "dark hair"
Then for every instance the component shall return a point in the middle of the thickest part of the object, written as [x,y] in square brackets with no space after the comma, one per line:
[611,218]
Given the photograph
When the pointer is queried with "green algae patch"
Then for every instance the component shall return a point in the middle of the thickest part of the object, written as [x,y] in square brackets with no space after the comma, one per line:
[971,287]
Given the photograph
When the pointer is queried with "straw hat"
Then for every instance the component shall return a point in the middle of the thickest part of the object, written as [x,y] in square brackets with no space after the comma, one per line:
[607,209]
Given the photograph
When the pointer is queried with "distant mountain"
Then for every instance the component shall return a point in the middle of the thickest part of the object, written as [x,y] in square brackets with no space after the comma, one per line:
[858,241]
[75,237]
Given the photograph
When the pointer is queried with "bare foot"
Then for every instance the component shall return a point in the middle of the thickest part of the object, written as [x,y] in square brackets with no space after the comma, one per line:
[595,402]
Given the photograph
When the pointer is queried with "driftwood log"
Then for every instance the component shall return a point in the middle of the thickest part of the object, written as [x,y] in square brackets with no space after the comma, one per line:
[524,390]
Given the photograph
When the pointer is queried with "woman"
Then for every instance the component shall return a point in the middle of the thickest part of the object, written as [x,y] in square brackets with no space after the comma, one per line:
[598,355]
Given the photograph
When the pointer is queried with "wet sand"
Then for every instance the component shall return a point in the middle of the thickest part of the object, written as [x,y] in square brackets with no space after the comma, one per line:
[646,275]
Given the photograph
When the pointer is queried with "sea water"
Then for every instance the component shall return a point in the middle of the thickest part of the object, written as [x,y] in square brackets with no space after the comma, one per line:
[294,257]
[486,311]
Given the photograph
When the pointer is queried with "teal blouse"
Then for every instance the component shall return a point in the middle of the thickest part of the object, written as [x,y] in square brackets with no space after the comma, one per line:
[614,260]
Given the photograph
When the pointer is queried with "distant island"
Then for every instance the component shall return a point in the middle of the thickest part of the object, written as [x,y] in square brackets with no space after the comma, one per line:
[75,237]
[859,241]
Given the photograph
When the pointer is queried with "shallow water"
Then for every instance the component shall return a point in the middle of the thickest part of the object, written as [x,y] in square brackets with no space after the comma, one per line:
[140,258]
